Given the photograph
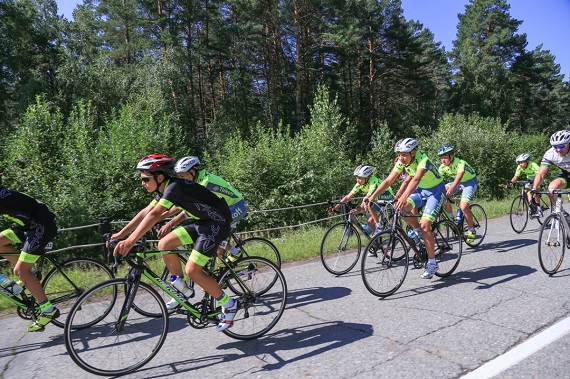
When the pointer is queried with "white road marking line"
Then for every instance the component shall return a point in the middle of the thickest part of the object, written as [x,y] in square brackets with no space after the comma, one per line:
[522,351]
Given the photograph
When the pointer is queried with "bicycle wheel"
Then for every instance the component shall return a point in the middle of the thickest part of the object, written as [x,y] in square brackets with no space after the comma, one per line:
[260,247]
[448,247]
[119,343]
[382,274]
[69,280]
[340,248]
[519,214]
[546,205]
[479,223]
[261,289]
[551,244]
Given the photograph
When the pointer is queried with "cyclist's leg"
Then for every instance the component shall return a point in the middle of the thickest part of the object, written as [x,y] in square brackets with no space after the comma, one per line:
[434,202]
[7,240]
[414,202]
[468,192]
[178,237]
[447,204]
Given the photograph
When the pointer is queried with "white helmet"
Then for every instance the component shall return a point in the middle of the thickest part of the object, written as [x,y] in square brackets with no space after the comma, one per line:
[561,137]
[523,157]
[405,145]
[363,171]
[186,163]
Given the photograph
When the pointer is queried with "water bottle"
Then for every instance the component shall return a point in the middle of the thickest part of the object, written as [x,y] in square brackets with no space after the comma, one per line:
[414,236]
[10,285]
[366,228]
[459,216]
[179,283]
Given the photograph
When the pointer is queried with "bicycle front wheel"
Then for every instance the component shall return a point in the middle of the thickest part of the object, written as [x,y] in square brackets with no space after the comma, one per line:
[260,247]
[448,247]
[261,290]
[479,223]
[121,342]
[551,244]
[340,248]
[519,214]
[69,280]
[384,264]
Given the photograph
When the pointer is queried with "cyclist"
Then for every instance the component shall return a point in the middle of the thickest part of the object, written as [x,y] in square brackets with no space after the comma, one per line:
[558,155]
[423,176]
[212,224]
[366,183]
[529,170]
[35,228]
[462,178]
[188,168]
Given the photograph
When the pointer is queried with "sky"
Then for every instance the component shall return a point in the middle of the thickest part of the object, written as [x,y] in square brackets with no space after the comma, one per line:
[544,22]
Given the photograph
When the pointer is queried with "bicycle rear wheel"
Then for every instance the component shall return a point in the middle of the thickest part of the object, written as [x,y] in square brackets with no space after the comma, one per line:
[479,223]
[551,244]
[448,247]
[519,214]
[260,247]
[69,280]
[381,272]
[340,248]
[119,343]
[261,289]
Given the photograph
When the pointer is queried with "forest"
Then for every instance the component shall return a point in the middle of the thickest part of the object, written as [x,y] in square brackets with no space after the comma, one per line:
[281,98]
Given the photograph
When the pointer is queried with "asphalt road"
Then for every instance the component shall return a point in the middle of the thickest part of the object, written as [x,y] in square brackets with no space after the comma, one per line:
[498,299]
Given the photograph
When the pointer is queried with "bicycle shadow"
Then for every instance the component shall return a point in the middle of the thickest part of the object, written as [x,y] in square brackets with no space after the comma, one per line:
[481,276]
[306,296]
[321,337]
[508,245]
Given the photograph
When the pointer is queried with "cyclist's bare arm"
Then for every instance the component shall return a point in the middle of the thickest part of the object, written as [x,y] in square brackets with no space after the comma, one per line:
[337,206]
[132,225]
[167,228]
[403,186]
[390,179]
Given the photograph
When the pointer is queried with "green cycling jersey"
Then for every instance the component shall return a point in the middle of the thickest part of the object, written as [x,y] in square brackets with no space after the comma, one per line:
[458,165]
[430,179]
[369,188]
[529,171]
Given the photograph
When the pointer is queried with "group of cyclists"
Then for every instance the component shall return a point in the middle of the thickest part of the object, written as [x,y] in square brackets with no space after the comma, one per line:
[183,189]
[427,186]
[211,203]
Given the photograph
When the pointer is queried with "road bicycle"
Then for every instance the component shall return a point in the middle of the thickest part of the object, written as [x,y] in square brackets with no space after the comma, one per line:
[522,209]
[479,221]
[63,284]
[385,265]
[342,243]
[133,319]
[553,238]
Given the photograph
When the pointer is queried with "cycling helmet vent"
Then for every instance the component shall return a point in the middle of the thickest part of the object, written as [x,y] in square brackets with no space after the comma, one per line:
[405,145]
[561,137]
[446,149]
[157,163]
[523,157]
[363,171]
[186,163]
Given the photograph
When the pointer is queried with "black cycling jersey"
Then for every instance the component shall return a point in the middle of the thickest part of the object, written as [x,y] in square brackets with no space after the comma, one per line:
[196,200]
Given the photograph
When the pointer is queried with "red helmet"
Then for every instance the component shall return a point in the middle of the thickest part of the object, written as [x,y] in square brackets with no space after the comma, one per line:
[157,163]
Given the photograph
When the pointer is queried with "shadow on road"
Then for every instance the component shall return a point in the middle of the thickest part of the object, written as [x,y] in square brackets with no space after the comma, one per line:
[504,246]
[305,296]
[312,339]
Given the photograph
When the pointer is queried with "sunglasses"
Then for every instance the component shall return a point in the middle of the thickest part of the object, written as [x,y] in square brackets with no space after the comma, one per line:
[559,147]
[146,179]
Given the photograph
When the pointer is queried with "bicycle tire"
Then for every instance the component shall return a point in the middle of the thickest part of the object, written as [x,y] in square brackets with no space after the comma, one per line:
[381,273]
[448,247]
[479,223]
[519,214]
[340,248]
[551,244]
[262,292]
[102,350]
[546,205]
[69,280]
[260,247]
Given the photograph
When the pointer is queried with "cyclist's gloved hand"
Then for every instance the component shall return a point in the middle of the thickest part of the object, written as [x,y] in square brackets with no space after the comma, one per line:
[533,192]
[509,184]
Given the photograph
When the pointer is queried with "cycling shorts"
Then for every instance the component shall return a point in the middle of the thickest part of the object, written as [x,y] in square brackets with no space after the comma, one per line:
[467,189]
[429,198]
[15,234]
[565,176]
[206,238]
[39,233]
